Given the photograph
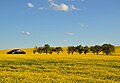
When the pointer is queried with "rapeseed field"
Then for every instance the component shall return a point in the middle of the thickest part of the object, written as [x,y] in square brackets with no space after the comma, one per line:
[59,68]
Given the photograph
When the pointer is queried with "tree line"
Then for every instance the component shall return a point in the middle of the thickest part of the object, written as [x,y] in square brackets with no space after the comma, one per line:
[105,49]
[47,49]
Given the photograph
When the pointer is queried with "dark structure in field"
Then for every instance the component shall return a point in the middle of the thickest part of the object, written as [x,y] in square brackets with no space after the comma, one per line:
[16,51]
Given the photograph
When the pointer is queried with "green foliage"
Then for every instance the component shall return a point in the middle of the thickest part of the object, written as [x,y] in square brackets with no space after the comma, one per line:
[79,49]
[40,50]
[105,48]
[108,49]
[58,50]
[86,49]
[95,49]
[46,48]
[35,50]
[92,49]
[71,49]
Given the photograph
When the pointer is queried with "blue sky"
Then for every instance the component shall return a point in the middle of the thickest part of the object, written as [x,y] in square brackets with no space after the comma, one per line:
[30,23]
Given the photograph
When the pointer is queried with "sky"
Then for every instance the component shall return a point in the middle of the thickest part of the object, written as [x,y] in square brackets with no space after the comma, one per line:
[30,23]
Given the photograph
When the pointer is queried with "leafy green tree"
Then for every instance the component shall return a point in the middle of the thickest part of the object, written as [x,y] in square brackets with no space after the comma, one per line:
[52,49]
[86,49]
[108,49]
[46,48]
[40,50]
[95,49]
[58,50]
[79,49]
[71,49]
[92,49]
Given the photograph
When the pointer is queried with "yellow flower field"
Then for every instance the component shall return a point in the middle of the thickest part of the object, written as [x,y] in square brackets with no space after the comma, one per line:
[61,68]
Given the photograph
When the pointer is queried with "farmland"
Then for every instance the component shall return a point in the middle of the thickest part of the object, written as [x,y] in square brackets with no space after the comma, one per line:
[61,68]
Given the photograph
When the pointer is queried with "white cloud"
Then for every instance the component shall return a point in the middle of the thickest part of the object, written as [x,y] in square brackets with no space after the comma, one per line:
[62,7]
[55,6]
[25,33]
[42,8]
[74,8]
[70,34]
[65,41]
[28,33]
[30,5]
[83,25]
[51,0]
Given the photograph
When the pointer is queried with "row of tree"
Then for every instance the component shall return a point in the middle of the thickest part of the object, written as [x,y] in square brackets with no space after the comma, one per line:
[79,49]
[47,49]
[105,48]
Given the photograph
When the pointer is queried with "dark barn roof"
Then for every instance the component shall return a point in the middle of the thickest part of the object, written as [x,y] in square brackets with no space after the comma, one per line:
[16,51]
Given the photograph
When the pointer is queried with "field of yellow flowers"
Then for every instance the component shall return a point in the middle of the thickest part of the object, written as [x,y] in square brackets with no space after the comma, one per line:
[61,68]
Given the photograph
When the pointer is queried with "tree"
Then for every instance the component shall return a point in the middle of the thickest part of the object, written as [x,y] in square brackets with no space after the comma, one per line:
[79,49]
[108,49]
[35,50]
[52,49]
[58,50]
[46,48]
[71,49]
[95,49]
[92,49]
[40,50]
[86,49]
